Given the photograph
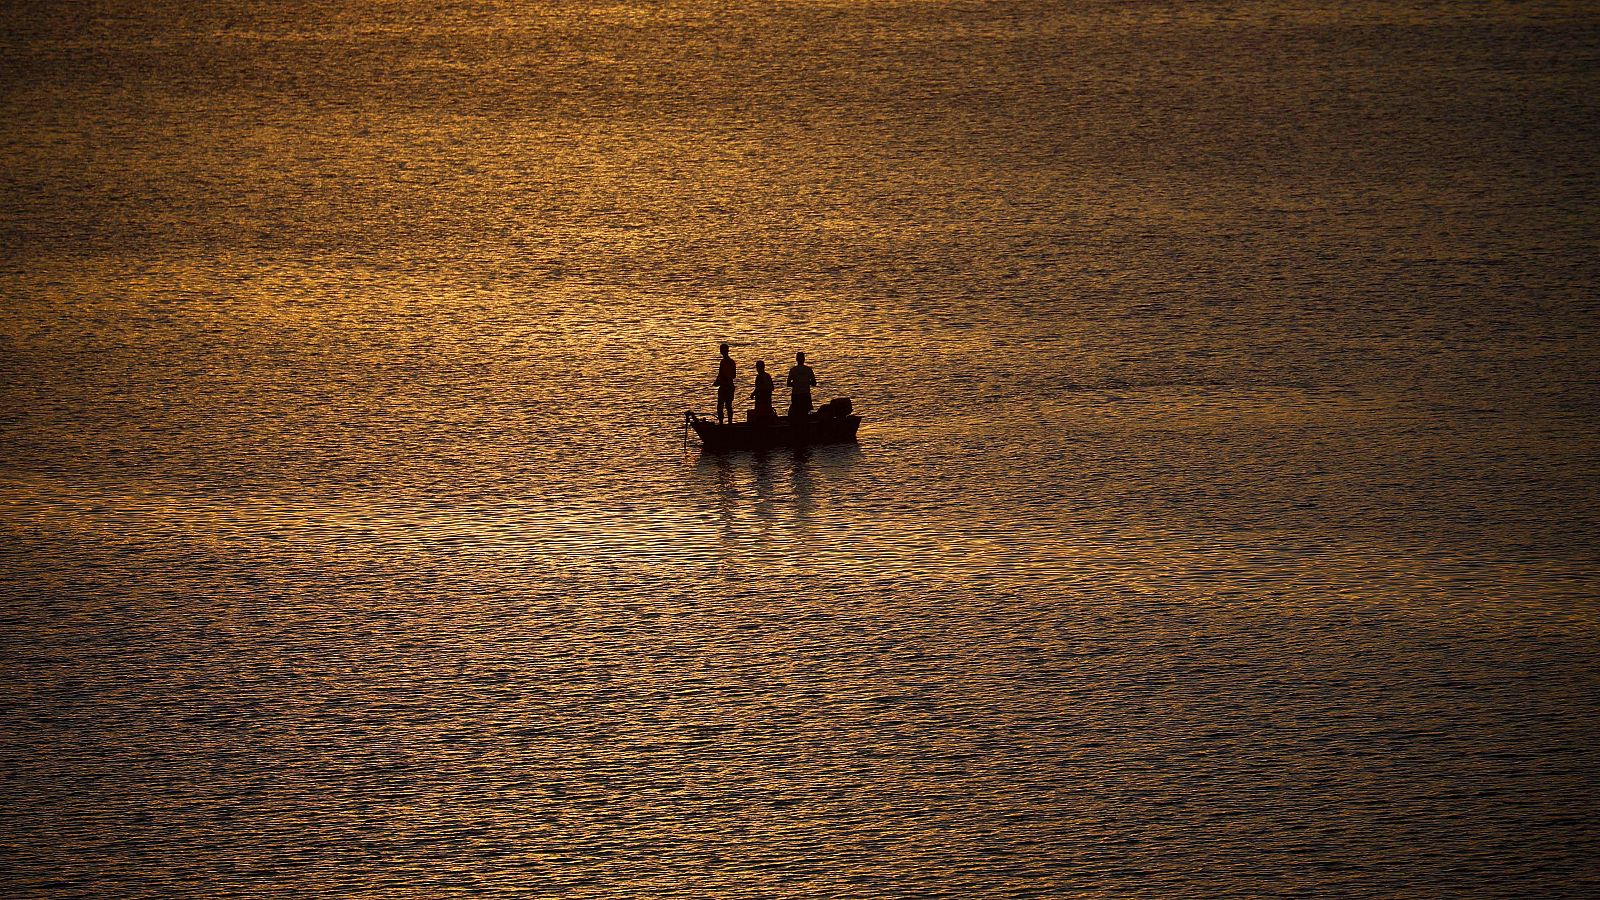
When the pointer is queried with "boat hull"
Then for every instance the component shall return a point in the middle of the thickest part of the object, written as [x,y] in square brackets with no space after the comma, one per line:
[784,433]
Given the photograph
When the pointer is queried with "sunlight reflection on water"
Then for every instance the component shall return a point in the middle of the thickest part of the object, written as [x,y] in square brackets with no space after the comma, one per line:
[1222,521]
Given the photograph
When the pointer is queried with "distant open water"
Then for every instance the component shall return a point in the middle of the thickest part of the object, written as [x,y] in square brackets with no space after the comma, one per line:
[1224,521]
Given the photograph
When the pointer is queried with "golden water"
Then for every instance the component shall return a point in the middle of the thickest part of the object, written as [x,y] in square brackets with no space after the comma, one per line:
[1223,522]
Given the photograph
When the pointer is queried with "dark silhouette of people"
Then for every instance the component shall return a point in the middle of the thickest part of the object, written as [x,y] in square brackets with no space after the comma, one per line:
[725,376]
[800,381]
[763,394]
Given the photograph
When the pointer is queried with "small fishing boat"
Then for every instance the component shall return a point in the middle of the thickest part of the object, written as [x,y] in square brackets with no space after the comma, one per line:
[834,423]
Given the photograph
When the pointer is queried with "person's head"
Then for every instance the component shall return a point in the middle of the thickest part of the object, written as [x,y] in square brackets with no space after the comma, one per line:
[724,349]
[761,365]
[799,359]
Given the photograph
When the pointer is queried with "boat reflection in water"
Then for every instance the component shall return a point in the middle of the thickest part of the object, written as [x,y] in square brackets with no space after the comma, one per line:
[783,488]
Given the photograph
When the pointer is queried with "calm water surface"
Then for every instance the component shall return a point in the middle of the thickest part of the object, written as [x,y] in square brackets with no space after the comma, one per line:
[1224,520]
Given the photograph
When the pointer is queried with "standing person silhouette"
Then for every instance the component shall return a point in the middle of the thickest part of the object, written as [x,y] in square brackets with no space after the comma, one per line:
[725,376]
[763,394]
[800,381]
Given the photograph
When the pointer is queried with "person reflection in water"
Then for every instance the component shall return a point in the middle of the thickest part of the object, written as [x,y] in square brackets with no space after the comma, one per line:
[800,381]
[724,383]
[763,394]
